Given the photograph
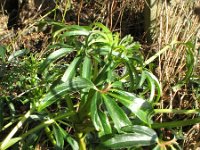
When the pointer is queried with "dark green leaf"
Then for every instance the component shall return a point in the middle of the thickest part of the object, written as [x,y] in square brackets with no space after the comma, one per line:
[31,140]
[72,142]
[102,74]
[59,137]
[87,68]
[69,139]
[53,57]
[140,129]
[99,119]
[2,52]
[128,140]
[106,127]
[60,90]
[70,71]
[94,113]
[141,108]
[63,135]
[154,84]
[118,116]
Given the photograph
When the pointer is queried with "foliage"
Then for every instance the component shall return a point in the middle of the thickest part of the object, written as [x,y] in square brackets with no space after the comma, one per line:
[91,90]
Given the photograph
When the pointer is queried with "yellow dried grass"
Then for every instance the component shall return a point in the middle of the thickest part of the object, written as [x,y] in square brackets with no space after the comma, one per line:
[175,21]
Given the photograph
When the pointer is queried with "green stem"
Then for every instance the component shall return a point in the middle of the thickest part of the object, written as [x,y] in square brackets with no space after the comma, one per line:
[151,59]
[176,111]
[81,138]
[40,126]
[67,7]
[176,123]
[47,123]
[15,129]
[49,134]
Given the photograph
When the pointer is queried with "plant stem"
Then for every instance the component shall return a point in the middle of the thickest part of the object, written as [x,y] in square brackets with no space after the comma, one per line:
[5,143]
[15,129]
[176,111]
[148,61]
[81,138]
[176,123]
[42,125]
[47,123]
[49,134]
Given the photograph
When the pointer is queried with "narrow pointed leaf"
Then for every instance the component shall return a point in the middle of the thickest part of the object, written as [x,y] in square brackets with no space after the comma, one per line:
[94,113]
[118,116]
[67,28]
[59,137]
[140,129]
[57,92]
[101,76]
[152,88]
[76,33]
[98,37]
[130,72]
[99,118]
[141,108]
[106,31]
[129,140]
[10,143]
[68,138]
[155,85]
[105,124]
[72,142]
[53,57]
[70,71]
[87,66]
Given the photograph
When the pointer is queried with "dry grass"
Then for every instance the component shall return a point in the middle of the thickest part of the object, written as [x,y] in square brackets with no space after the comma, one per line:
[177,21]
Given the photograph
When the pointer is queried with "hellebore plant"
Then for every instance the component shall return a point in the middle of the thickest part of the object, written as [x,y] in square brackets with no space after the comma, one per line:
[99,93]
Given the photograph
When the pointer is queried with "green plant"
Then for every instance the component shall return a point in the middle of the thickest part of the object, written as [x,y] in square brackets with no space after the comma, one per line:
[105,93]
[91,91]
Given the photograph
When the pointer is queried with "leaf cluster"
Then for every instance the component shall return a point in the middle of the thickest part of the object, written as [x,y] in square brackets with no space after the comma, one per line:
[95,85]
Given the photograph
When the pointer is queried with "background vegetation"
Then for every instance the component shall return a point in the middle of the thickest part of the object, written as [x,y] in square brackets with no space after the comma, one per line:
[85,75]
